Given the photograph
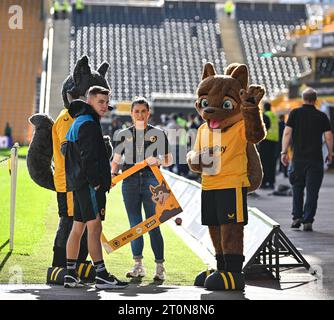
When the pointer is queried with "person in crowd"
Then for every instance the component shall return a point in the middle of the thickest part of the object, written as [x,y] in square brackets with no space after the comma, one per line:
[66,9]
[229,8]
[181,121]
[56,9]
[268,147]
[115,126]
[192,122]
[174,133]
[304,130]
[79,5]
[8,134]
[281,125]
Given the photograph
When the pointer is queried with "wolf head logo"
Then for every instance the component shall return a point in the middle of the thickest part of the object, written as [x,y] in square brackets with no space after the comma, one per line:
[160,193]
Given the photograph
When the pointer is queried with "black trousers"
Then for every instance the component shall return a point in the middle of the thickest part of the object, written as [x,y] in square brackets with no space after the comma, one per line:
[268,153]
[310,175]
[59,247]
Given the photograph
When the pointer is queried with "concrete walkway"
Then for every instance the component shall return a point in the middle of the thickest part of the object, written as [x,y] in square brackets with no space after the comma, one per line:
[296,284]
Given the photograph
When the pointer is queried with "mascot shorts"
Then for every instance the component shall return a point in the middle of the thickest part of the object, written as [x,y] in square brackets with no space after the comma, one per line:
[65,204]
[88,204]
[224,206]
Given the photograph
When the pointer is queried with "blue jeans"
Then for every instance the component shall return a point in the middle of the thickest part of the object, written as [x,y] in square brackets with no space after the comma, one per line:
[136,192]
[305,174]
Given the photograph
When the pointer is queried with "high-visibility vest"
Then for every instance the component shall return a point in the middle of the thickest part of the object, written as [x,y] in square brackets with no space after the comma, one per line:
[79,5]
[181,122]
[228,7]
[56,6]
[273,131]
[66,7]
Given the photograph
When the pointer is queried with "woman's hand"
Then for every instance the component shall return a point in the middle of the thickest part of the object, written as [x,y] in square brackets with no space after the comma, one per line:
[152,161]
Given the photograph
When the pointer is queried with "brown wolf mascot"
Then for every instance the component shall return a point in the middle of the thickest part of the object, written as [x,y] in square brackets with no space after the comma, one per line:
[46,164]
[225,154]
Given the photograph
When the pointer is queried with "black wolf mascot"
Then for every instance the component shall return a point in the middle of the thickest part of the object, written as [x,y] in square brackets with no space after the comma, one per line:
[46,164]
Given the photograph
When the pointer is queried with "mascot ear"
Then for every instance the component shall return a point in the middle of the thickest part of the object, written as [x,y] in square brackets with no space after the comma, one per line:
[240,73]
[152,189]
[103,69]
[231,67]
[164,186]
[82,67]
[208,70]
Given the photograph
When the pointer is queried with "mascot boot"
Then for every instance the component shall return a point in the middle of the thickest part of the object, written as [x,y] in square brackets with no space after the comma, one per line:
[231,278]
[201,277]
[59,247]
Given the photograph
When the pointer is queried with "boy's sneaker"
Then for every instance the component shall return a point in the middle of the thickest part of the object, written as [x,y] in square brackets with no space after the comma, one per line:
[159,273]
[109,282]
[296,223]
[138,271]
[308,226]
[72,282]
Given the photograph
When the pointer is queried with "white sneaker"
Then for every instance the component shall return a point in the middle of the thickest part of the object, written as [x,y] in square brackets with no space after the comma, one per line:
[109,282]
[160,272]
[138,271]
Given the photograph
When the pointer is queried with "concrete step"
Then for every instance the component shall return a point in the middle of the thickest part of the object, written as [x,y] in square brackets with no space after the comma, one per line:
[60,65]
[230,38]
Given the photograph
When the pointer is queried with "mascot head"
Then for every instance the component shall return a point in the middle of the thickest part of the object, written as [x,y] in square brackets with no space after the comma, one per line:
[83,77]
[218,99]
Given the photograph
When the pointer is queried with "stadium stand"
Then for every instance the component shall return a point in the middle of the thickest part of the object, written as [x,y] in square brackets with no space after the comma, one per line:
[150,49]
[20,63]
[325,68]
[262,27]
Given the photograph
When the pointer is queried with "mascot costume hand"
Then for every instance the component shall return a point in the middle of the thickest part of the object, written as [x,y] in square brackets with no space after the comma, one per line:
[46,164]
[225,155]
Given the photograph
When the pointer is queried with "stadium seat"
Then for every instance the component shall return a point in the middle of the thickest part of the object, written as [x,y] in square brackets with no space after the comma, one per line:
[149,49]
[262,27]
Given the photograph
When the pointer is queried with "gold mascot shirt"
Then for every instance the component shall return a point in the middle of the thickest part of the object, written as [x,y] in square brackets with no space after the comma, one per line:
[59,131]
[230,156]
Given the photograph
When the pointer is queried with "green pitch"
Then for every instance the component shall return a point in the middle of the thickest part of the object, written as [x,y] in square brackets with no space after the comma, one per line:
[36,224]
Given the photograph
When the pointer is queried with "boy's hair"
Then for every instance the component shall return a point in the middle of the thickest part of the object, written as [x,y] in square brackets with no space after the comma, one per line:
[95,90]
[140,100]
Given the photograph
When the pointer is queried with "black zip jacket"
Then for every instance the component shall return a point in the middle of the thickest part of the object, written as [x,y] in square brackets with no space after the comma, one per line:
[86,157]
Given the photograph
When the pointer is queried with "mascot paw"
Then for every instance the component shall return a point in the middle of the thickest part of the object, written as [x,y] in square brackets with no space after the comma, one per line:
[193,159]
[201,277]
[252,97]
[223,280]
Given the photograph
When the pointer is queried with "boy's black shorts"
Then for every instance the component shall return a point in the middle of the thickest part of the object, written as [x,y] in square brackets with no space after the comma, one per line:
[88,204]
[224,206]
